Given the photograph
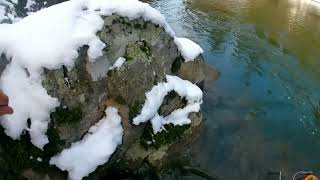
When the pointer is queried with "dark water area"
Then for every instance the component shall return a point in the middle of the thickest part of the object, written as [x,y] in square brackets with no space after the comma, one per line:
[262,114]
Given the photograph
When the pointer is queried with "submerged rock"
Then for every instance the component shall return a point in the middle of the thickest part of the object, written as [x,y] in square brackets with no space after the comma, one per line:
[198,72]
[86,90]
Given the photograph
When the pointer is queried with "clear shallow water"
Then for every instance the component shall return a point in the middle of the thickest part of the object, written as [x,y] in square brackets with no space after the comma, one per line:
[259,114]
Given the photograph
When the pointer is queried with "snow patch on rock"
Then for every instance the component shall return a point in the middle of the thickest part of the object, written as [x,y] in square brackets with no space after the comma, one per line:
[154,99]
[118,63]
[188,49]
[29,4]
[29,100]
[7,11]
[95,149]
[51,38]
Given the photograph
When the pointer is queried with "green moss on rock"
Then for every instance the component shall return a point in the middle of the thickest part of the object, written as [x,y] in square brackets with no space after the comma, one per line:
[55,143]
[172,94]
[120,100]
[66,115]
[18,155]
[140,25]
[176,64]
[134,110]
[143,45]
[171,102]
[137,26]
[170,135]
[137,51]
[127,54]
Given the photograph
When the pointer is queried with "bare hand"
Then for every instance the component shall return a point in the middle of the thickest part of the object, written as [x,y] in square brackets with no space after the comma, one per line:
[4,107]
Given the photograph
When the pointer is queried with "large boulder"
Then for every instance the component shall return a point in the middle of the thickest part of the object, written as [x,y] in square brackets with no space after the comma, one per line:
[86,90]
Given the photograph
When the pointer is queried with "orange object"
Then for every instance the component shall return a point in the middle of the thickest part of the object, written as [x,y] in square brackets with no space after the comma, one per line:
[311,177]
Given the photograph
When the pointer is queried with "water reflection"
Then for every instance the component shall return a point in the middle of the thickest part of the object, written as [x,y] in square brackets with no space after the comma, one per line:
[290,24]
[262,112]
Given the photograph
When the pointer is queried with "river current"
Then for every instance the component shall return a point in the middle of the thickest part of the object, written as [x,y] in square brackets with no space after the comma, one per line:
[262,114]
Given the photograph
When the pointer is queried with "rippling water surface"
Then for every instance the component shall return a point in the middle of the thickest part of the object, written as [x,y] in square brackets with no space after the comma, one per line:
[262,114]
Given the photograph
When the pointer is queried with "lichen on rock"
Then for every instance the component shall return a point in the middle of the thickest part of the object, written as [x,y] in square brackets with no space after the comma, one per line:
[169,135]
[85,91]
[63,115]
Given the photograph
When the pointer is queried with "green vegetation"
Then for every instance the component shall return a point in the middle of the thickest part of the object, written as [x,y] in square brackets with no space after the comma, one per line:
[110,73]
[171,102]
[107,29]
[145,25]
[138,50]
[143,45]
[142,25]
[171,134]
[18,155]
[134,110]
[66,115]
[121,20]
[137,26]
[127,54]
[55,143]
[176,64]
[172,94]
[120,100]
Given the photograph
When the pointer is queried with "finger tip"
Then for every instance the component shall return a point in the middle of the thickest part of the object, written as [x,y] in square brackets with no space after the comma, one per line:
[10,110]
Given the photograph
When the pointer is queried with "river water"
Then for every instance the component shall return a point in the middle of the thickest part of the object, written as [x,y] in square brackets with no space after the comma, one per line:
[261,113]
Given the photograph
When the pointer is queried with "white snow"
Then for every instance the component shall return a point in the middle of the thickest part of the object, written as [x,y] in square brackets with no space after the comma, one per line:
[132,9]
[51,38]
[84,156]
[118,63]
[29,4]
[29,100]
[154,99]
[189,49]
[7,11]
[95,49]
[2,13]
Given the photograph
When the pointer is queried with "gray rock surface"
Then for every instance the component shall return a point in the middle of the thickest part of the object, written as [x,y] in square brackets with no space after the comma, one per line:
[86,90]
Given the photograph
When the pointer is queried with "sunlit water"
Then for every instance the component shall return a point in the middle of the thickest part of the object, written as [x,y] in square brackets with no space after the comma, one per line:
[259,114]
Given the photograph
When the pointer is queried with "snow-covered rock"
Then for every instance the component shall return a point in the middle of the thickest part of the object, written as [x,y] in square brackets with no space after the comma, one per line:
[155,97]
[189,49]
[64,65]
[95,148]
[118,63]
